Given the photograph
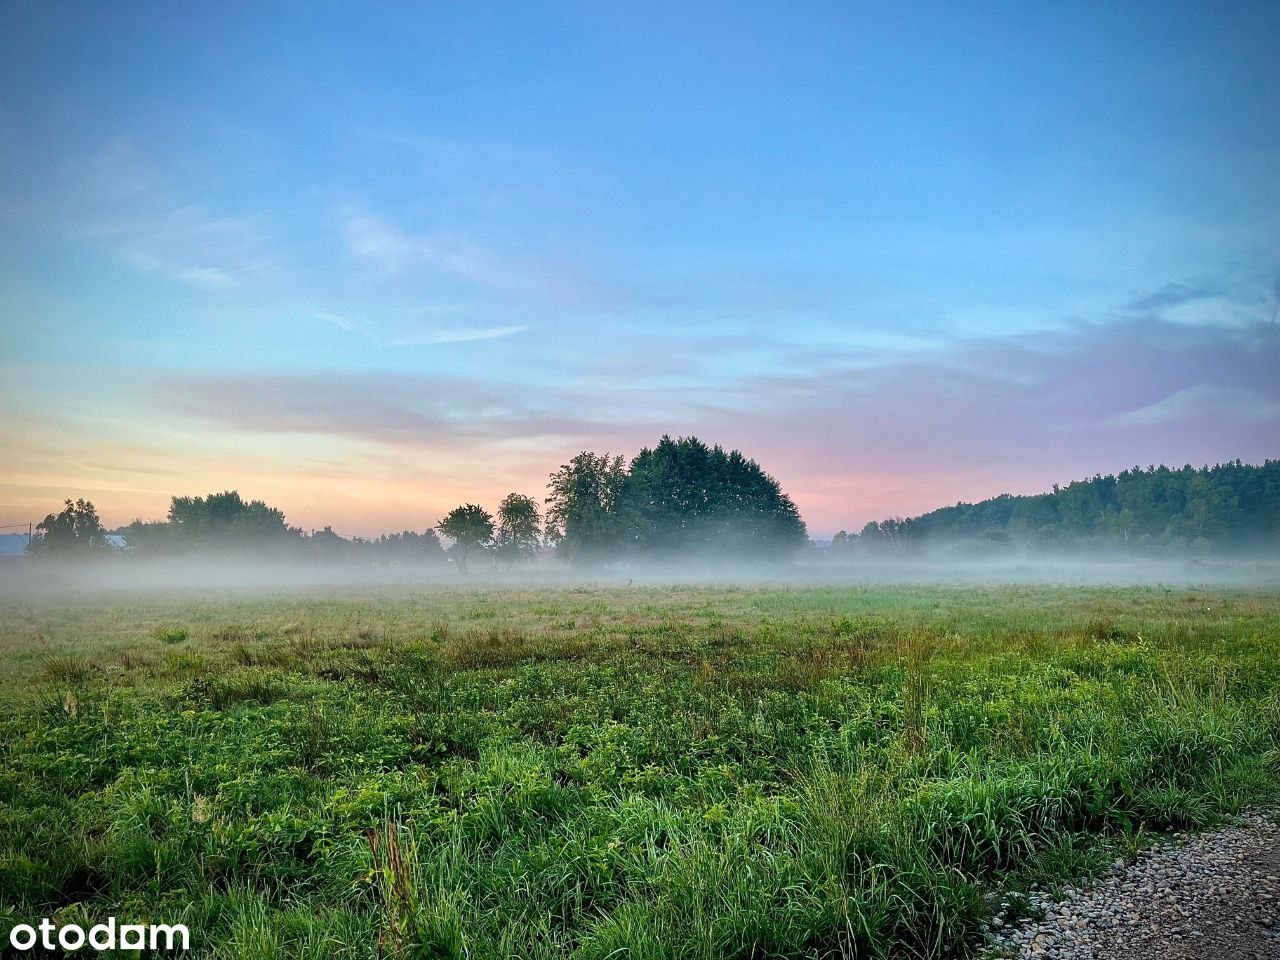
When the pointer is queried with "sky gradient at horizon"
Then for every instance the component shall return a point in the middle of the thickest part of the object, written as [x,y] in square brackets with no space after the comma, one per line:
[368,263]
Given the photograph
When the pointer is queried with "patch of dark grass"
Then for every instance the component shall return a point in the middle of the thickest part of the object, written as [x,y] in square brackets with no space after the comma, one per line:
[170,635]
[248,686]
[67,669]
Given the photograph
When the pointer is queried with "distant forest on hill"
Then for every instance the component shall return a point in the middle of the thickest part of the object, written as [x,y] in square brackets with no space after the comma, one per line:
[1231,506]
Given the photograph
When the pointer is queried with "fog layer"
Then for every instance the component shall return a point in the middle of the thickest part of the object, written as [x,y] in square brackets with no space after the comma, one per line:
[245,574]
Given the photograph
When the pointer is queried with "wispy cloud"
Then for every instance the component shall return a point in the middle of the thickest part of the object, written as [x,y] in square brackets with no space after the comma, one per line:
[1228,297]
[213,277]
[1204,401]
[371,240]
[1174,294]
[429,338]
[398,411]
[189,245]
[1054,405]
[1004,402]
[348,324]
[390,250]
[117,200]
[417,337]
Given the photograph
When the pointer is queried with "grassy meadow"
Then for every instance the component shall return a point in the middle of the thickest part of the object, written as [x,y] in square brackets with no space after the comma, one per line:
[612,772]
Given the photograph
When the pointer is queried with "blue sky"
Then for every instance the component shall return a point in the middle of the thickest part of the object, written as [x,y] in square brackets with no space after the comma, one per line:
[366,261]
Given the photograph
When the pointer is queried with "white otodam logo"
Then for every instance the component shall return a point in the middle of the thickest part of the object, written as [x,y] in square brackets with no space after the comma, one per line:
[109,935]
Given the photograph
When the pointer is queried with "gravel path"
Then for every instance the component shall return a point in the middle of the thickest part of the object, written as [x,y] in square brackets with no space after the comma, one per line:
[1214,897]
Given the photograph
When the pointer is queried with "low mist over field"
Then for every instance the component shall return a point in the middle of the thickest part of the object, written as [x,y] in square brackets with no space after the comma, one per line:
[194,575]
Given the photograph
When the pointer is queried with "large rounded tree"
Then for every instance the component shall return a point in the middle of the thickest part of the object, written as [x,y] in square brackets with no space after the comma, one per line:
[683,497]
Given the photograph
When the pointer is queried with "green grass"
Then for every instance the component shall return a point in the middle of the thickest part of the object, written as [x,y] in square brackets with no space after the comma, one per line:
[675,772]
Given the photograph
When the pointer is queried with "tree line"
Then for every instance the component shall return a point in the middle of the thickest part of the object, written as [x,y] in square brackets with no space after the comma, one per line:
[1231,506]
[678,499]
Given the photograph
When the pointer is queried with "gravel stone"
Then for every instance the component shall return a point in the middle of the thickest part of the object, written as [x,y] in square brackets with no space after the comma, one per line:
[1211,897]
